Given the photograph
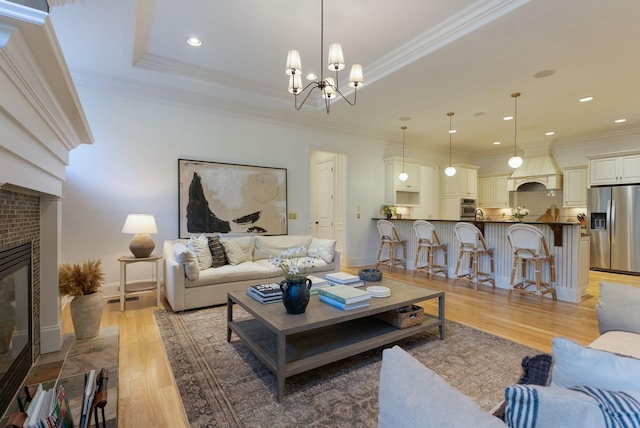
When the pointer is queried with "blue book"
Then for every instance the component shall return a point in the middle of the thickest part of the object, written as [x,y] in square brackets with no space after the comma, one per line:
[343,306]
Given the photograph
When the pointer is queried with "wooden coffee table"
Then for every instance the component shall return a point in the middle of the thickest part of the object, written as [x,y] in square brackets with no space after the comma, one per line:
[291,344]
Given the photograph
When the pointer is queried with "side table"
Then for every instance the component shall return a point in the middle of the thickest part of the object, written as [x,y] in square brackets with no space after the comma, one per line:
[138,287]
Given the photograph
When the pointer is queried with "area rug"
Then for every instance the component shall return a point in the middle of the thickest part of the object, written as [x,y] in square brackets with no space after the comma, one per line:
[224,385]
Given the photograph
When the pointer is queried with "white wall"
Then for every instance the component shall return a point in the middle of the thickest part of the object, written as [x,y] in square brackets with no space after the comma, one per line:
[132,168]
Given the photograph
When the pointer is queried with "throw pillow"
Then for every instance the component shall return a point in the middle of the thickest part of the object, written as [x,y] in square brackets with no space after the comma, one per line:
[188,259]
[530,406]
[267,247]
[323,248]
[576,365]
[217,252]
[617,308]
[412,395]
[233,251]
[200,247]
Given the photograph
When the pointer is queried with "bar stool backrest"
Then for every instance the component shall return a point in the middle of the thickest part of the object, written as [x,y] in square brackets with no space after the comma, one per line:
[426,231]
[469,235]
[388,231]
[527,241]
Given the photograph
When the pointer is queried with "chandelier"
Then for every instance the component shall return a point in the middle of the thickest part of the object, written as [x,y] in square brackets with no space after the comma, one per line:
[329,86]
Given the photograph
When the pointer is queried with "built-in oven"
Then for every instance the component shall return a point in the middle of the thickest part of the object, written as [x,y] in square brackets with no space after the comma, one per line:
[467,209]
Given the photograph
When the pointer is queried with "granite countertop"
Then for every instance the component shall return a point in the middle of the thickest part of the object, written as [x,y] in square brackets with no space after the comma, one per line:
[569,223]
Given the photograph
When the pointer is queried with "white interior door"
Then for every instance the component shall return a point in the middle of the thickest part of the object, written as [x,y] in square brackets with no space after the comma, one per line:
[325,206]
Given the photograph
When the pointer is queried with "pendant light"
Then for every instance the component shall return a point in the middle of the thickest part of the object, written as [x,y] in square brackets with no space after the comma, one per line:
[450,171]
[515,161]
[403,176]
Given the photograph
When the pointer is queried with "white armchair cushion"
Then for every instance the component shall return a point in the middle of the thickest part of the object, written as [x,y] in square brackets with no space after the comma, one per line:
[411,395]
[577,365]
[617,308]
[188,259]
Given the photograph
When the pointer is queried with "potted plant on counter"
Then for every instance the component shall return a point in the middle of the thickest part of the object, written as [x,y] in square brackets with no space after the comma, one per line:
[387,210]
[83,282]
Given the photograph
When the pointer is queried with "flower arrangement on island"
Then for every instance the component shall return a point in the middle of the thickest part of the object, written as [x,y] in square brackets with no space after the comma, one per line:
[295,263]
[519,213]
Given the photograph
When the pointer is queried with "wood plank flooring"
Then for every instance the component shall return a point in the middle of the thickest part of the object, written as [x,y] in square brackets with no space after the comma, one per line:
[148,395]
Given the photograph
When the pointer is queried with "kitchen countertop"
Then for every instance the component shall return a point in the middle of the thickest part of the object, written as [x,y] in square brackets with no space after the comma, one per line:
[568,223]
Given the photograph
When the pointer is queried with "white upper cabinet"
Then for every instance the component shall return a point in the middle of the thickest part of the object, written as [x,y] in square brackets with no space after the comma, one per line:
[615,170]
[464,184]
[574,191]
[493,192]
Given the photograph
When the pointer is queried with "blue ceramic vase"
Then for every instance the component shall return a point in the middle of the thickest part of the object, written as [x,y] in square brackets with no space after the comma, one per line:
[295,294]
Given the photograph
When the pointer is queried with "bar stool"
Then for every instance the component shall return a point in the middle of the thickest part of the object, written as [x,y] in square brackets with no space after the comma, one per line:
[429,241]
[473,247]
[389,237]
[530,249]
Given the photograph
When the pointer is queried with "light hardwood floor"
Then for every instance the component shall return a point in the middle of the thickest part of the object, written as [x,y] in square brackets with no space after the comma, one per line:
[148,395]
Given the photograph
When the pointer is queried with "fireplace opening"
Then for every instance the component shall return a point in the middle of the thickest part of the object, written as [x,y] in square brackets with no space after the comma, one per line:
[16,356]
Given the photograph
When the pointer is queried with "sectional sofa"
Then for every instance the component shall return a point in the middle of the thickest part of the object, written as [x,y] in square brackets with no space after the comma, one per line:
[199,271]
[588,387]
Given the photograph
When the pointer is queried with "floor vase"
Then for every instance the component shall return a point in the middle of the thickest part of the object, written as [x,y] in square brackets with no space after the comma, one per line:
[86,315]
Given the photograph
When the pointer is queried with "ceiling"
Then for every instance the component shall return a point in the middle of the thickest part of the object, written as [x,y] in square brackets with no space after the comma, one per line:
[421,59]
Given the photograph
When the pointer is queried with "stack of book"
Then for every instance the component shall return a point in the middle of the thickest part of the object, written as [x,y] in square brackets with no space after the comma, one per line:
[344,297]
[342,278]
[266,293]
[317,283]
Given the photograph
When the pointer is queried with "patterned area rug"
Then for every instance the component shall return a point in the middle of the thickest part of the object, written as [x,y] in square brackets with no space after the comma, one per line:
[224,385]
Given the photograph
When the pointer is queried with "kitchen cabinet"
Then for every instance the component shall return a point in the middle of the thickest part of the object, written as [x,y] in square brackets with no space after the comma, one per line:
[493,192]
[403,193]
[615,170]
[463,185]
[574,191]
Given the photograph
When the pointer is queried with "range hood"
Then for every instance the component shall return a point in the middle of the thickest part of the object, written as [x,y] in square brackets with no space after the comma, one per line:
[538,167]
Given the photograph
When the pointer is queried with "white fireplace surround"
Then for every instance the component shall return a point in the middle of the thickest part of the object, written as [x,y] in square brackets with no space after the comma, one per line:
[41,120]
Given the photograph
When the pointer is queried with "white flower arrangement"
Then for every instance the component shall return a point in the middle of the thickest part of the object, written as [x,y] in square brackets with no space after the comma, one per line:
[519,213]
[295,263]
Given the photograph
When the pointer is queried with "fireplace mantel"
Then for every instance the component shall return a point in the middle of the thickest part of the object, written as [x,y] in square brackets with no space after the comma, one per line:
[41,116]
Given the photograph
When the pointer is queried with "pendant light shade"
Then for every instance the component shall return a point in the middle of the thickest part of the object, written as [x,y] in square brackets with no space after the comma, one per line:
[450,171]
[403,176]
[515,161]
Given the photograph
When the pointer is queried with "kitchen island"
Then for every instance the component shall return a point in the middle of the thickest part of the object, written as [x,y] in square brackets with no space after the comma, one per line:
[569,247]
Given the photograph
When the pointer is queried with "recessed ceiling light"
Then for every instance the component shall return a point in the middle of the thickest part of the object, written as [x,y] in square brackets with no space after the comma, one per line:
[543,73]
[496,143]
[311,76]
[620,120]
[549,133]
[452,131]
[586,99]
[404,118]
[194,41]
[508,118]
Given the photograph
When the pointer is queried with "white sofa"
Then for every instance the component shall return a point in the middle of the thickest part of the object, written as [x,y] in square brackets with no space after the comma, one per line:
[189,285]
[588,386]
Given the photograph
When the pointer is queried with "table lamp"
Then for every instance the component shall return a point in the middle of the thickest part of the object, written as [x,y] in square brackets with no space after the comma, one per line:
[141,225]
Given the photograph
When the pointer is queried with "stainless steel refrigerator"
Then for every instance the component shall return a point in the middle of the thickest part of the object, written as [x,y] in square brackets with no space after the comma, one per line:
[613,215]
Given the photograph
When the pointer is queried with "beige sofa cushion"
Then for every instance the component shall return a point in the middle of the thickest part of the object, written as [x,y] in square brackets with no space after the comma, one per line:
[199,245]
[231,273]
[323,248]
[267,247]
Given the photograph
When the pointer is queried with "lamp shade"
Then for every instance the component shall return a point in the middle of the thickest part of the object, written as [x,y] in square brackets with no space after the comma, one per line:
[336,59]
[356,77]
[450,171]
[294,64]
[329,90]
[515,162]
[295,84]
[140,223]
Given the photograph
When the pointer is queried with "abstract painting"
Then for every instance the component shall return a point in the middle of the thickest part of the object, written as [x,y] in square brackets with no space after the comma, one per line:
[222,198]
